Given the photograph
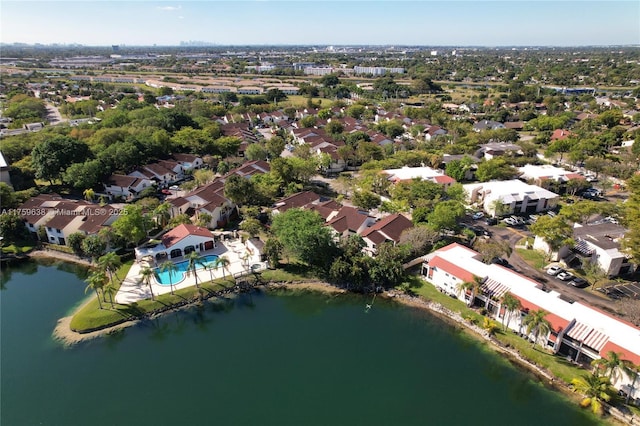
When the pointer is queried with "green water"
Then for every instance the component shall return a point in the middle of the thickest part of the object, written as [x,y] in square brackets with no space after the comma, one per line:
[257,360]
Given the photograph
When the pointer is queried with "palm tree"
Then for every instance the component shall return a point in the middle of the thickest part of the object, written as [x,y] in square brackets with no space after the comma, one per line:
[162,214]
[110,290]
[194,260]
[596,390]
[223,262]
[511,304]
[110,263]
[473,286]
[95,281]
[537,324]
[147,273]
[612,365]
[89,194]
[171,269]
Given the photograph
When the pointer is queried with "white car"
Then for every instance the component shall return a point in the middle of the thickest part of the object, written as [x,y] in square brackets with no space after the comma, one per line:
[510,221]
[554,270]
[565,276]
[478,215]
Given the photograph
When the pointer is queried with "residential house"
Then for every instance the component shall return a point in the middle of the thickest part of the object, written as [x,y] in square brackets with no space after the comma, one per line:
[599,243]
[188,162]
[126,186]
[511,196]
[178,242]
[432,132]
[387,229]
[424,173]
[545,172]
[487,125]
[209,199]
[578,332]
[560,134]
[492,150]
[161,173]
[298,200]
[348,221]
[61,217]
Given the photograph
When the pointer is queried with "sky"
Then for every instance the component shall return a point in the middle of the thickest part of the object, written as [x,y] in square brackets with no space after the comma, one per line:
[322,22]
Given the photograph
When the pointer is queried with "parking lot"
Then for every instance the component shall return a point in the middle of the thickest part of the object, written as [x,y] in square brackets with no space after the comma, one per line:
[622,290]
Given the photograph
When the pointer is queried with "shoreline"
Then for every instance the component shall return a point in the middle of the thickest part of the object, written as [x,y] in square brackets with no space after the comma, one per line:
[67,337]
[58,255]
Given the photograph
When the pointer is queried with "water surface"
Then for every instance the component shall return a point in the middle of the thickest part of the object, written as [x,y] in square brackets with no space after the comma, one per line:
[261,359]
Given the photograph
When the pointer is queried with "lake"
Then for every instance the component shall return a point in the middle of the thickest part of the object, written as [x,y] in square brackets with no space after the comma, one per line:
[260,359]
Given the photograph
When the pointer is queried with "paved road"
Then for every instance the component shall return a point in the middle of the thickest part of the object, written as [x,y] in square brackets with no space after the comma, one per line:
[53,115]
[513,235]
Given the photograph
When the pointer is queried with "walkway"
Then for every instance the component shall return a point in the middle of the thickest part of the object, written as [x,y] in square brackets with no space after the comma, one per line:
[133,289]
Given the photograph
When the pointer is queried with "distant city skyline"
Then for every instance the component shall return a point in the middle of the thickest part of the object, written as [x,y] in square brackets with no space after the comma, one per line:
[322,22]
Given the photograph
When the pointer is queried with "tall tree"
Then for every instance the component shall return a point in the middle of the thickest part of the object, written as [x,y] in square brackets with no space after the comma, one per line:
[555,231]
[595,389]
[96,281]
[612,365]
[536,324]
[511,304]
[472,286]
[147,274]
[223,262]
[194,260]
[109,263]
[132,225]
[51,157]
[93,246]
[171,269]
[303,234]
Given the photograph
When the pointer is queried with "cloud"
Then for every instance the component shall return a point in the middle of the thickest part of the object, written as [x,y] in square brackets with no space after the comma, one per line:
[169,8]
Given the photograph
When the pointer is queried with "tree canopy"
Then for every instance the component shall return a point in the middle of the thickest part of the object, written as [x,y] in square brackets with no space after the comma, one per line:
[303,234]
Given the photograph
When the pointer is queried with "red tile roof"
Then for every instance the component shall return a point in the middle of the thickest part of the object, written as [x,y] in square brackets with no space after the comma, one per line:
[182,231]
[451,268]
[391,226]
[297,200]
[444,179]
[610,346]
[557,323]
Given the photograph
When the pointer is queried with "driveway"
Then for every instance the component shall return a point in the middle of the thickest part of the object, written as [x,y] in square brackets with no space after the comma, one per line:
[53,115]
[513,235]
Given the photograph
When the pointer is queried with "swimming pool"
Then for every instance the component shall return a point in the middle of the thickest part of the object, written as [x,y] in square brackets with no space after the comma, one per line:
[163,276]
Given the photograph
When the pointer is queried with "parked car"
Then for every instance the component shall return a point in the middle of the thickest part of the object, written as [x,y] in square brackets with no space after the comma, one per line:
[579,282]
[500,261]
[166,192]
[533,218]
[565,276]
[554,270]
[174,187]
[477,215]
[491,221]
[517,220]
[510,221]
[552,213]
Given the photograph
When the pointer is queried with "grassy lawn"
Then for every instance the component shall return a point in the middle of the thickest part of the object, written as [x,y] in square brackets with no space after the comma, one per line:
[19,247]
[558,366]
[289,272]
[301,101]
[533,258]
[91,317]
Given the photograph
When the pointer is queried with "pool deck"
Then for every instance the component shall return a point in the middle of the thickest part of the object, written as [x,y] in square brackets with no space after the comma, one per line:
[133,289]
